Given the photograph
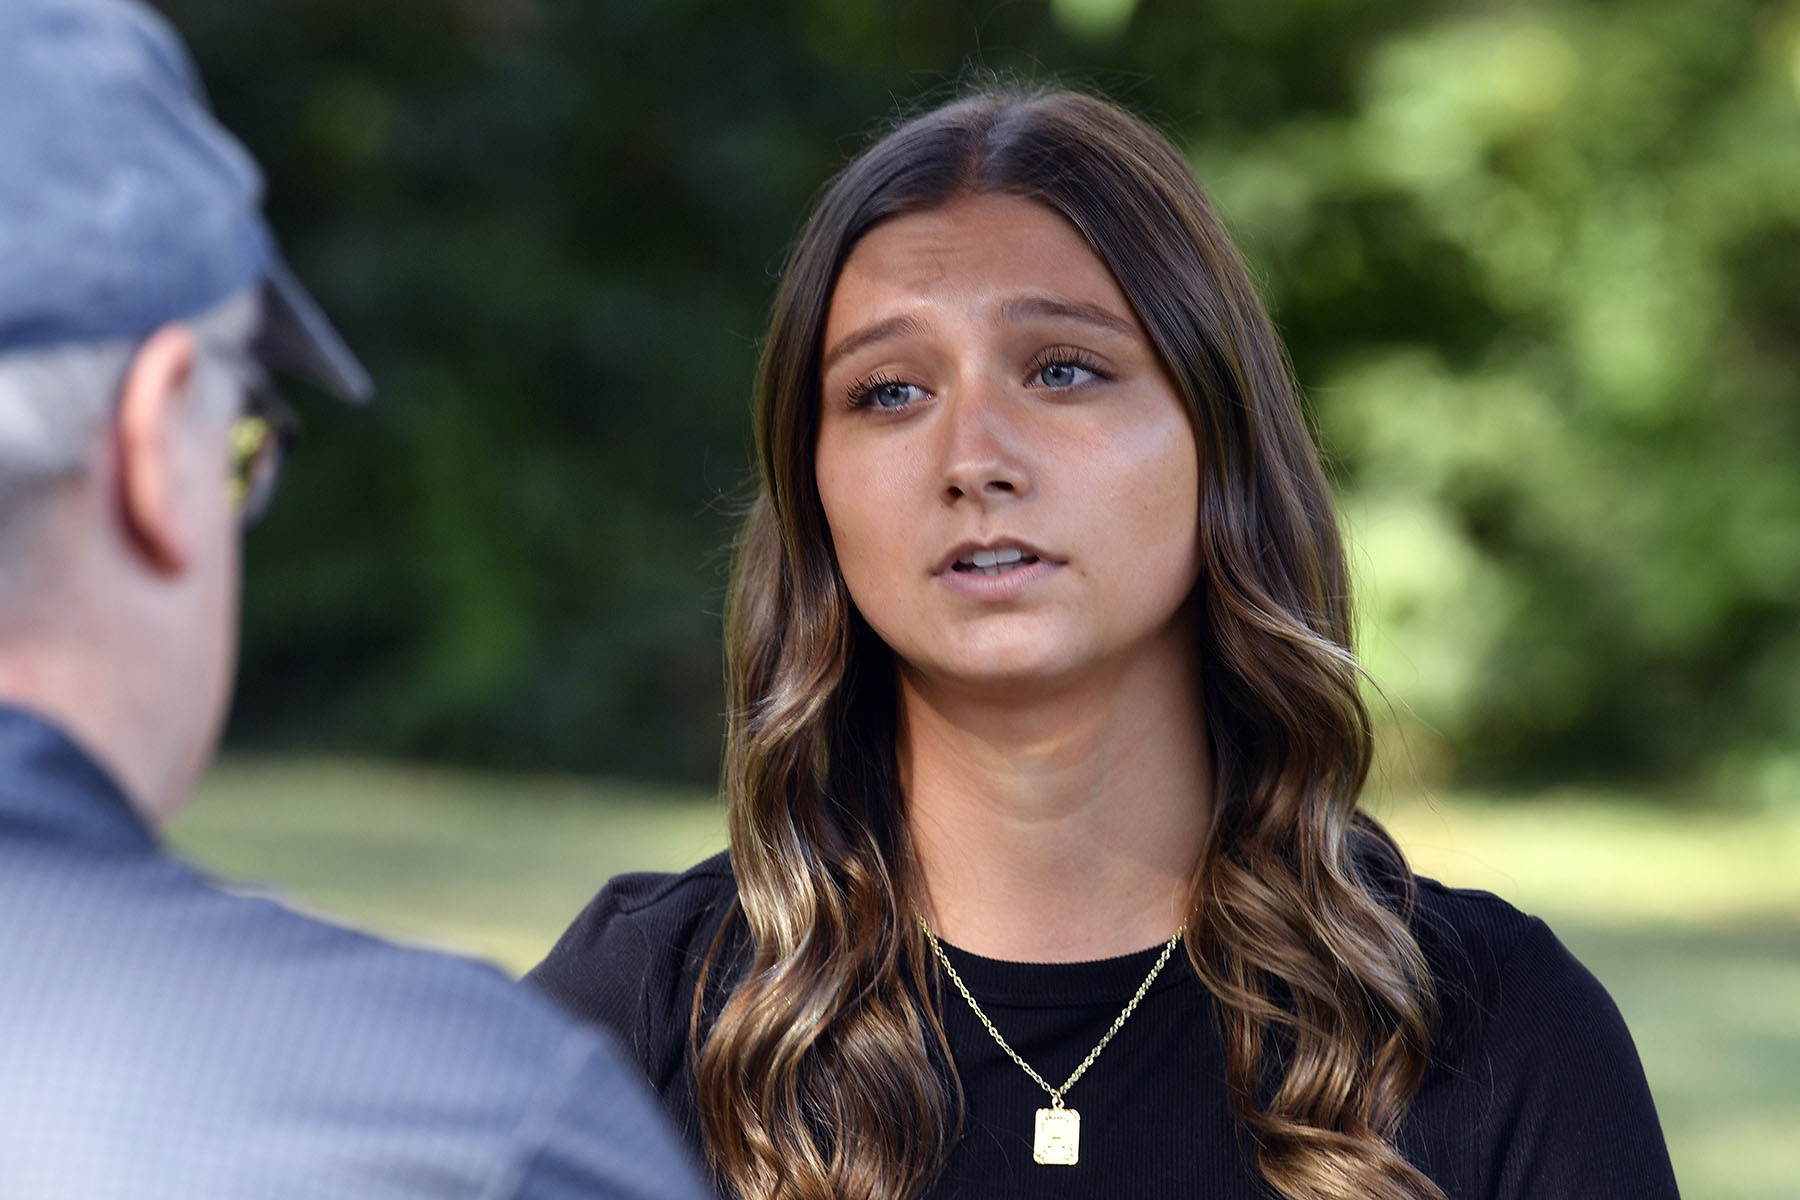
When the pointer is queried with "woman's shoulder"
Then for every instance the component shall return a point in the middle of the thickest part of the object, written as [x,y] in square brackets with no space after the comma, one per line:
[630,959]
[1534,1074]
[637,921]
[1491,962]
[1468,933]
[666,897]
[1478,945]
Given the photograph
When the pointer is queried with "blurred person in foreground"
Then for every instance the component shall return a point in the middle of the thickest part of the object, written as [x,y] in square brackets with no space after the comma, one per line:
[159,1035]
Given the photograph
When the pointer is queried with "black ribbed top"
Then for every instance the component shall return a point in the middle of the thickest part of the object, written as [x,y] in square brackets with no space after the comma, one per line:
[1534,1092]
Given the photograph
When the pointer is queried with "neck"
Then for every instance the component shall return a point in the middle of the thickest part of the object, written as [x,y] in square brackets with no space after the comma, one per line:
[97,706]
[1066,826]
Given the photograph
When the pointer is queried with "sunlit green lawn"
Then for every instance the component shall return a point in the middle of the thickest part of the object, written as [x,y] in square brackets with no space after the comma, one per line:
[1692,921]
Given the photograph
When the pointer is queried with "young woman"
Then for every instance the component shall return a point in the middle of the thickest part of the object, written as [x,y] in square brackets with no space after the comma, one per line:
[1046,874]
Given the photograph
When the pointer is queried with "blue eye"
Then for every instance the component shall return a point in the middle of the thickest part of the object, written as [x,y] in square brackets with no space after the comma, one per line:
[1063,375]
[1065,368]
[884,393]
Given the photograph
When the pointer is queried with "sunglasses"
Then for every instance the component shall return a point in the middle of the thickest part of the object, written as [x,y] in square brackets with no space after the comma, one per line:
[261,438]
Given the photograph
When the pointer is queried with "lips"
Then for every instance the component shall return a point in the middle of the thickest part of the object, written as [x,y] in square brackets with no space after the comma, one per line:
[993,562]
[991,558]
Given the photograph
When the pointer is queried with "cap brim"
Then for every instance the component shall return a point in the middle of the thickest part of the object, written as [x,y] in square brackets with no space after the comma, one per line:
[296,336]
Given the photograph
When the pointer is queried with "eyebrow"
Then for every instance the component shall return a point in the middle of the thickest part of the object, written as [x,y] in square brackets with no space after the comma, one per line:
[868,335]
[1027,307]
[1022,308]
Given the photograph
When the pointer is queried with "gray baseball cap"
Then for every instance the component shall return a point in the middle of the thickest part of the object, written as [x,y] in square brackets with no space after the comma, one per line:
[124,205]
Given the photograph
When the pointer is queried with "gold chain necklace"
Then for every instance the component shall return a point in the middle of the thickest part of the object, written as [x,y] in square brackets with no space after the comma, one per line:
[1058,1138]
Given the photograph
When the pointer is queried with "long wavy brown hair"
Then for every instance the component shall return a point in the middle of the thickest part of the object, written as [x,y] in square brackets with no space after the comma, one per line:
[824,1074]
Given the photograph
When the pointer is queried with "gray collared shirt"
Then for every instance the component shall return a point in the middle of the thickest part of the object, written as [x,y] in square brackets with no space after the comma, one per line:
[162,1038]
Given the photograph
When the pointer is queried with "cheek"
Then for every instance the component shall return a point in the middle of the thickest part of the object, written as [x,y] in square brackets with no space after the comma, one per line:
[872,513]
[857,509]
[1147,536]
[1154,481]
[1175,500]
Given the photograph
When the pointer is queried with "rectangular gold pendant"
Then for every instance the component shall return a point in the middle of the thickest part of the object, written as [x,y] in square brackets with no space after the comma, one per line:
[1058,1141]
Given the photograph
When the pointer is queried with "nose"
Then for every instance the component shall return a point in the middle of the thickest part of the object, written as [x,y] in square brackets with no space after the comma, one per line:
[982,452]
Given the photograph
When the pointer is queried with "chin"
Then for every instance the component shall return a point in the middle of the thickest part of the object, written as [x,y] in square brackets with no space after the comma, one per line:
[1020,671]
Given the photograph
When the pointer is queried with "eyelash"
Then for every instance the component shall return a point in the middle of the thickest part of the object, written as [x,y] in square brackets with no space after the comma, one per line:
[862,391]
[1068,356]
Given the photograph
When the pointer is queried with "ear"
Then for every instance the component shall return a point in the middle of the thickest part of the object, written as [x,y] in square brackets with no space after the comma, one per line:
[152,406]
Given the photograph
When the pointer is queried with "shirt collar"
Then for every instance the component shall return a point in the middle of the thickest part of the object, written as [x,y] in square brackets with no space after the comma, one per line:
[51,788]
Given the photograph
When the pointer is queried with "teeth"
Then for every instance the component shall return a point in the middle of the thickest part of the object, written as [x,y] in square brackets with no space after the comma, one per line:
[994,562]
[997,558]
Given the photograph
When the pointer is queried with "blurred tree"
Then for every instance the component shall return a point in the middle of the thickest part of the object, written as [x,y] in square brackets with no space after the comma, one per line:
[1535,263]
[1530,271]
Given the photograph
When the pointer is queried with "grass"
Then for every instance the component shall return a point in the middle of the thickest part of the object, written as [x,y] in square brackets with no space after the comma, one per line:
[1691,921]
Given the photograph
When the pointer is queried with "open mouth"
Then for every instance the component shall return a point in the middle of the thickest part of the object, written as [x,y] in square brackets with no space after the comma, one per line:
[993,562]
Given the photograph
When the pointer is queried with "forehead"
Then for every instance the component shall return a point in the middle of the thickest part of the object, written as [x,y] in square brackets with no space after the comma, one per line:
[969,256]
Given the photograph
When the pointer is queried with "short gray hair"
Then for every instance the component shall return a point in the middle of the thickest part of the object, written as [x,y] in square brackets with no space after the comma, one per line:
[55,401]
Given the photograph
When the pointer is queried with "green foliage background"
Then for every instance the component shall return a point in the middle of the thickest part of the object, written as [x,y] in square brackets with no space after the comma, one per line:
[1536,263]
